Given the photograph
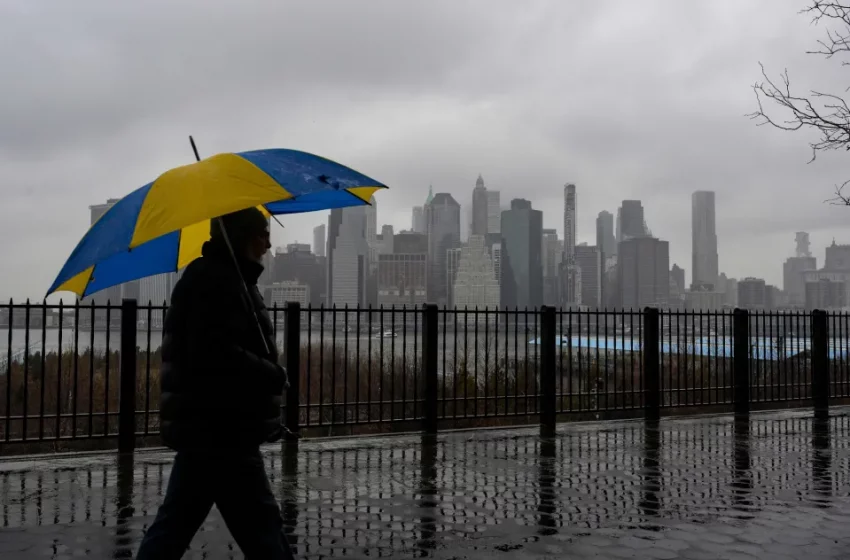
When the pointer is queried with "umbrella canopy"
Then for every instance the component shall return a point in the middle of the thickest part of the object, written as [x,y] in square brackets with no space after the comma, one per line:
[161,226]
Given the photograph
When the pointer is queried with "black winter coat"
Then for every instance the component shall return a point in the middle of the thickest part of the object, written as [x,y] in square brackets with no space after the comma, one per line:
[220,389]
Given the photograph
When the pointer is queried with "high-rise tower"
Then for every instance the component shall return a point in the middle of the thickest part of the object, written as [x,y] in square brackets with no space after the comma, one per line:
[704,239]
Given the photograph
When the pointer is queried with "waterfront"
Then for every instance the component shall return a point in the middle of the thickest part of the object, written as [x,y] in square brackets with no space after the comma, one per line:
[403,341]
[771,486]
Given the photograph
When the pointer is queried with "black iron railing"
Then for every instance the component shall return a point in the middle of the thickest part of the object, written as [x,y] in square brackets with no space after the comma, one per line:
[82,372]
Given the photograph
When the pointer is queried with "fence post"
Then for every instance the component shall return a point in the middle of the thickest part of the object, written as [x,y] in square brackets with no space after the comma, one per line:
[127,383]
[292,353]
[430,344]
[741,361]
[548,389]
[651,363]
[820,363]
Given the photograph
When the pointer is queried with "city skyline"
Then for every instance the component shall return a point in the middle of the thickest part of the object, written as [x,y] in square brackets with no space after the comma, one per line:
[373,219]
[509,93]
[535,262]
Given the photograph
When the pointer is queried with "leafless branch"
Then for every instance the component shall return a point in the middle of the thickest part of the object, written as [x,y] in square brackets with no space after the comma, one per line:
[840,199]
[827,113]
[836,41]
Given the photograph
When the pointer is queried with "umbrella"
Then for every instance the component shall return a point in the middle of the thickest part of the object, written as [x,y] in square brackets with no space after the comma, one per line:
[161,226]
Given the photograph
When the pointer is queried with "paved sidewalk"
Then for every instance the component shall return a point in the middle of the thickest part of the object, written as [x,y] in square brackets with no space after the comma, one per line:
[700,488]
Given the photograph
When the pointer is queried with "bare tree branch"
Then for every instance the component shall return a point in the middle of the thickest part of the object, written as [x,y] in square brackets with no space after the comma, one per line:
[840,199]
[826,113]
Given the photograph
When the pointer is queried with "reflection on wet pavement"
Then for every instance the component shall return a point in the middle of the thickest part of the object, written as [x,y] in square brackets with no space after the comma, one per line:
[774,487]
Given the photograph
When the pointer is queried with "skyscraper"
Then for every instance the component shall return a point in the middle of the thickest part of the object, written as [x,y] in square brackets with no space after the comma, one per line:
[300,265]
[402,274]
[802,239]
[348,257]
[752,294]
[643,272]
[319,241]
[479,208]
[677,275]
[156,290]
[475,279]
[521,259]
[631,220]
[825,294]
[494,212]
[793,281]
[569,219]
[372,233]
[496,253]
[589,264]
[568,277]
[386,239]
[605,241]
[418,225]
[551,261]
[452,265]
[704,237]
[442,217]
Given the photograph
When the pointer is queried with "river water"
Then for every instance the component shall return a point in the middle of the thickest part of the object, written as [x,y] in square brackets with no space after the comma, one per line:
[407,344]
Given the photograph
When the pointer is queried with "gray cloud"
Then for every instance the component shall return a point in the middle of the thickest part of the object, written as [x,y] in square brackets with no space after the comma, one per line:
[629,100]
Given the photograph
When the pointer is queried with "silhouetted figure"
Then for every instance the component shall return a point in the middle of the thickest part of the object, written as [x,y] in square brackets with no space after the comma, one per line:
[221,398]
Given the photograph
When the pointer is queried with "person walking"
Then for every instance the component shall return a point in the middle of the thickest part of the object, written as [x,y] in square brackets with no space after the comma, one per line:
[222,391]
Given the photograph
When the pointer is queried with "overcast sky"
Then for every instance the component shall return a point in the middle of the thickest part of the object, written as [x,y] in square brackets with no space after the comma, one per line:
[627,99]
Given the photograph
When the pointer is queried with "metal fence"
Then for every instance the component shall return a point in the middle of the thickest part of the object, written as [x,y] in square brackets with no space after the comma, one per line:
[83,372]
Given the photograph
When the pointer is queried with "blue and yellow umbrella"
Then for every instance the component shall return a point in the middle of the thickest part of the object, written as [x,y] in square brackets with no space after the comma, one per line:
[161,226]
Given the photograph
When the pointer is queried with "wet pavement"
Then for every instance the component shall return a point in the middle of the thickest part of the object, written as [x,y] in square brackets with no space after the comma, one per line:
[699,488]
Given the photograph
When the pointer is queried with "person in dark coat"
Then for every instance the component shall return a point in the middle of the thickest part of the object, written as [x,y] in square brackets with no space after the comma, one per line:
[221,396]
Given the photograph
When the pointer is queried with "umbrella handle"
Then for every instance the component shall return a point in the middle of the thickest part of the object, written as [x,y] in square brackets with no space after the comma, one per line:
[247,300]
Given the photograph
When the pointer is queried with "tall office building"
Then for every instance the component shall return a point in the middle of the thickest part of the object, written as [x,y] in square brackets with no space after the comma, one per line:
[300,265]
[825,294]
[282,293]
[643,272]
[348,257]
[291,247]
[802,240]
[605,241]
[442,218]
[551,260]
[418,222]
[475,280]
[569,292]
[494,212]
[372,233]
[319,241]
[570,210]
[589,264]
[156,290]
[677,276]
[521,260]
[793,279]
[631,220]
[452,266]
[479,208]
[496,253]
[385,240]
[753,294]
[704,241]
[403,273]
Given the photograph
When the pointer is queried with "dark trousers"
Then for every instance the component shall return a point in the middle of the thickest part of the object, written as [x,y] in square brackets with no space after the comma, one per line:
[238,485]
